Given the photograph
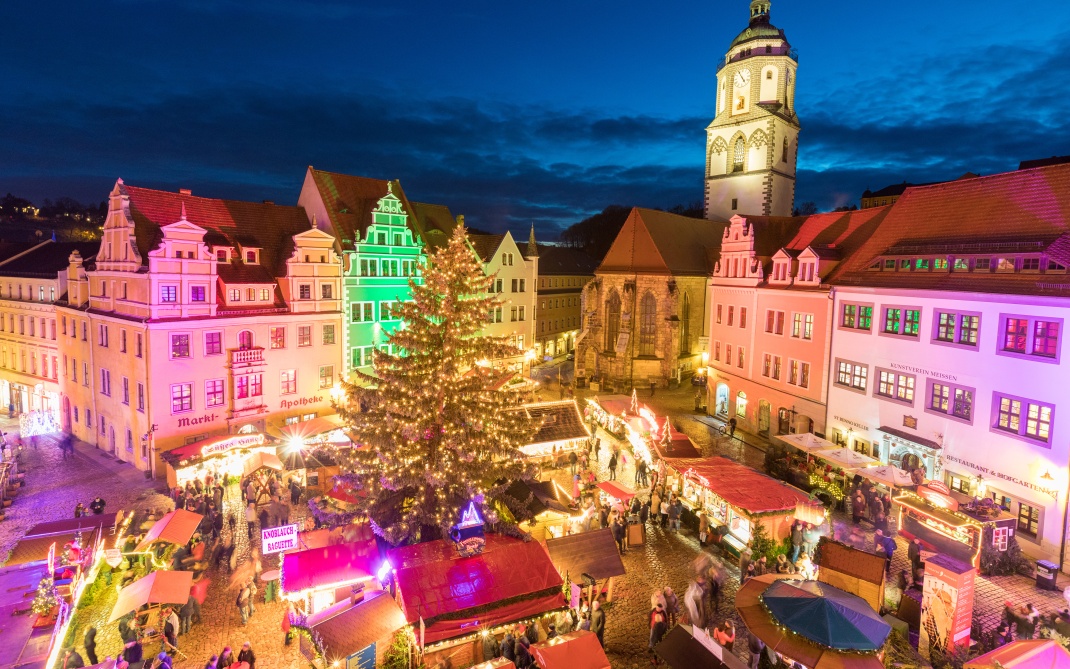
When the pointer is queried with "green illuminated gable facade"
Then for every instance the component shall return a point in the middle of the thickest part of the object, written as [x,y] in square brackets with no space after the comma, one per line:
[376,274]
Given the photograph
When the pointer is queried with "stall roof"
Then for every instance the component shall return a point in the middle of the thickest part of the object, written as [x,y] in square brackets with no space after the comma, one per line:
[33,549]
[845,559]
[348,628]
[594,553]
[681,447]
[556,421]
[539,496]
[322,567]
[307,429]
[22,646]
[575,650]
[67,525]
[616,490]
[499,663]
[159,587]
[681,650]
[943,515]
[1024,654]
[260,460]
[614,404]
[744,488]
[434,580]
[176,527]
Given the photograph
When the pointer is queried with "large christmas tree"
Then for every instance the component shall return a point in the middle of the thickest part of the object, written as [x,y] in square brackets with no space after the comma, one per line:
[432,435]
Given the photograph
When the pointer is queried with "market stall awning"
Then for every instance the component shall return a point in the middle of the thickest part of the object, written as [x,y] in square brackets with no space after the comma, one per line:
[614,404]
[322,567]
[261,460]
[826,615]
[617,490]
[177,457]
[575,650]
[555,422]
[32,549]
[347,628]
[540,496]
[744,488]
[808,442]
[510,580]
[847,459]
[21,645]
[888,475]
[1024,654]
[159,587]
[500,663]
[176,527]
[681,650]
[594,553]
[679,445]
[307,429]
[760,622]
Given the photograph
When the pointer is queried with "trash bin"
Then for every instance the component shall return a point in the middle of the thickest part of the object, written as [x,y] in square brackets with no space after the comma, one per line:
[1046,572]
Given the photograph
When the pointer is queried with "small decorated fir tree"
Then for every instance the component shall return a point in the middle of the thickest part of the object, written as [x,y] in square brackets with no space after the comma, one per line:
[46,598]
[433,436]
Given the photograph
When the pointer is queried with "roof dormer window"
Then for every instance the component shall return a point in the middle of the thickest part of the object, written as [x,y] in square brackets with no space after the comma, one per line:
[222,255]
[252,257]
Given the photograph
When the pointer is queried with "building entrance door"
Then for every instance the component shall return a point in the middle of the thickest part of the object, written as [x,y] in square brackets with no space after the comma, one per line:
[783,421]
[721,400]
[763,417]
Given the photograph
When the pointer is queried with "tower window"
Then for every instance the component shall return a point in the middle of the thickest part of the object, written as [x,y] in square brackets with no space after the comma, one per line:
[768,73]
[784,155]
[735,203]
[738,154]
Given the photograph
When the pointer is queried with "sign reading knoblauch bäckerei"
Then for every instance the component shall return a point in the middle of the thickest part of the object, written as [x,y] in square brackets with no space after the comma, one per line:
[278,539]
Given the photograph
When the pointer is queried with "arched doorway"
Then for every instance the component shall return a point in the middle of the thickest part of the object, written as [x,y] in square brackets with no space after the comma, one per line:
[763,416]
[721,400]
[741,405]
[783,421]
[910,462]
[66,414]
[111,439]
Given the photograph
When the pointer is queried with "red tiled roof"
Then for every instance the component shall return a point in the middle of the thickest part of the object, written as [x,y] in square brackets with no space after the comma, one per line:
[485,245]
[1025,204]
[657,242]
[744,488]
[269,227]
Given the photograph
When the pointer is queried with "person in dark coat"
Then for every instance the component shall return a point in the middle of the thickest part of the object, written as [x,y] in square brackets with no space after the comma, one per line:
[618,534]
[886,544]
[91,644]
[128,628]
[598,623]
[914,553]
[524,660]
[185,614]
[796,541]
[491,649]
[226,658]
[133,654]
[508,646]
[613,467]
[71,659]
[97,506]
[247,655]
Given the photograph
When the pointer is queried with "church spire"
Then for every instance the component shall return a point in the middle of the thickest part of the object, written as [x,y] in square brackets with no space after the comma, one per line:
[533,248]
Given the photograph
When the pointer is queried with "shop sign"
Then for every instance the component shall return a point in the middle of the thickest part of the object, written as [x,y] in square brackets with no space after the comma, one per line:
[190,422]
[278,539]
[52,559]
[113,557]
[300,402]
[946,605]
[1052,492]
[241,441]
[921,370]
[365,659]
[857,426]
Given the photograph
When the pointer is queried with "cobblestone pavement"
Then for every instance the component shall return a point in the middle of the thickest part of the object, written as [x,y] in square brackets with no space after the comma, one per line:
[666,556]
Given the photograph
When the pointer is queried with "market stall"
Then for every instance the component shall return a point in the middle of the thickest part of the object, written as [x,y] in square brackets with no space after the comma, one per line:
[674,444]
[687,647]
[574,650]
[176,527]
[559,430]
[617,495]
[933,516]
[1024,654]
[159,587]
[219,456]
[434,583]
[812,623]
[318,578]
[735,497]
[589,561]
[25,641]
[550,506]
[261,460]
[354,633]
[626,419]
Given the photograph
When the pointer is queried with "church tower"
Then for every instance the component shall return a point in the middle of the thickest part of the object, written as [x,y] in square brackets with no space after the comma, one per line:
[752,143]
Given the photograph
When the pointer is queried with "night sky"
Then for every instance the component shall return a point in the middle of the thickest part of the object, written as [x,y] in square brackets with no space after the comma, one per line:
[510,112]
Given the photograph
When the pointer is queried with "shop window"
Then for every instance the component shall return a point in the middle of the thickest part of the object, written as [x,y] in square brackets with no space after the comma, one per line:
[1028,520]
[741,405]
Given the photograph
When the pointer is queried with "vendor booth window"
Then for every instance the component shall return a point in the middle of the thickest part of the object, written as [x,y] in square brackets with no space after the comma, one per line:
[1001,538]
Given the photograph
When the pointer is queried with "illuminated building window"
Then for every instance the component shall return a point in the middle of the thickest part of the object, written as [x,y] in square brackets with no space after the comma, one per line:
[899,387]
[289,381]
[180,346]
[328,333]
[326,376]
[304,335]
[1028,519]
[181,397]
[278,337]
[213,392]
[213,343]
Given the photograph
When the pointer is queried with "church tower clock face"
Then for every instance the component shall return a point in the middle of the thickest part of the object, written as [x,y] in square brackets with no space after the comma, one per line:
[752,142]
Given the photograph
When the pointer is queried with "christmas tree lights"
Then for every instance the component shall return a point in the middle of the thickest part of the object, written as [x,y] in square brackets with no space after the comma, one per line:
[432,435]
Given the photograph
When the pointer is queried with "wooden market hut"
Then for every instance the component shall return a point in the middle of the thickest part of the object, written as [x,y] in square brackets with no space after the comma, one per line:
[559,427]
[358,632]
[852,570]
[589,559]
[547,503]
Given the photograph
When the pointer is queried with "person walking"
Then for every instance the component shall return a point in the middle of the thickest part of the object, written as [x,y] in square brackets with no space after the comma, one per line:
[91,644]
[618,534]
[213,663]
[664,512]
[658,626]
[573,461]
[914,553]
[655,504]
[244,604]
[226,658]
[858,507]
[185,615]
[725,635]
[887,545]
[247,655]
[796,540]
[695,602]
[133,653]
[672,605]
[598,623]
[732,428]
[675,512]
[755,646]
[613,467]
[703,528]
[810,537]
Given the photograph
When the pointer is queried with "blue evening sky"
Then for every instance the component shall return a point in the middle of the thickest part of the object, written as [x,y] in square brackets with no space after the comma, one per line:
[509,112]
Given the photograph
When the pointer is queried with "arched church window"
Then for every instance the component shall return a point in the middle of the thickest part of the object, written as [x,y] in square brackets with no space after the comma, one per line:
[648,311]
[612,321]
[738,153]
[685,326]
[784,155]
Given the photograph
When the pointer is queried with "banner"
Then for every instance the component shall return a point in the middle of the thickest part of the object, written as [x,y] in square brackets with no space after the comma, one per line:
[278,539]
[947,604]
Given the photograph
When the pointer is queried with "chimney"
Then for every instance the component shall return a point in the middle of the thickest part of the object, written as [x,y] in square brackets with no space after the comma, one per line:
[185,191]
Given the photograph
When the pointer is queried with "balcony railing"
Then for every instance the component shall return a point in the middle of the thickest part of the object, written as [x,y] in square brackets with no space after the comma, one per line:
[247,356]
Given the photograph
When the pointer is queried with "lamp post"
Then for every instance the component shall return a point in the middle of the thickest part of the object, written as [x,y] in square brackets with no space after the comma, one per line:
[149,439]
